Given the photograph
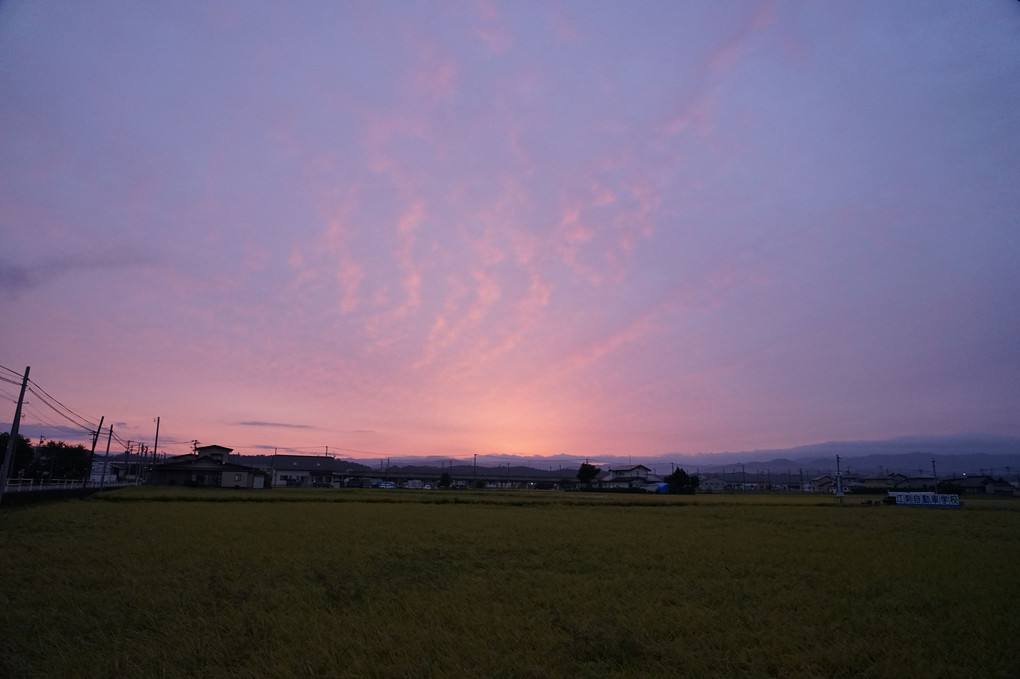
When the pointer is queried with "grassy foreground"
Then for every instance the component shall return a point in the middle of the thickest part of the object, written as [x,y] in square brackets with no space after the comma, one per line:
[141,583]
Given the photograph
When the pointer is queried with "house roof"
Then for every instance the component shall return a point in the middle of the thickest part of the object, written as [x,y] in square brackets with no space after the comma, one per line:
[204,450]
[978,481]
[651,478]
[205,462]
[306,463]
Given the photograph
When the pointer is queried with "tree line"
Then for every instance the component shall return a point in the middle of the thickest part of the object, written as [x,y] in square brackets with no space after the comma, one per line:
[51,460]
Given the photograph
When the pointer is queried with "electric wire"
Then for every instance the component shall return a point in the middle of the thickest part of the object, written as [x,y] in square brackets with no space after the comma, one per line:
[35,416]
[87,426]
[69,410]
[8,395]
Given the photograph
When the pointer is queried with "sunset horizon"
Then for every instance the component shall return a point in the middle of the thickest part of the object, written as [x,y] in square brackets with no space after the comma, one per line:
[575,230]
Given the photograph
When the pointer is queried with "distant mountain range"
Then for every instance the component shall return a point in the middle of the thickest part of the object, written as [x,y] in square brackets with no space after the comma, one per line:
[909,455]
[959,454]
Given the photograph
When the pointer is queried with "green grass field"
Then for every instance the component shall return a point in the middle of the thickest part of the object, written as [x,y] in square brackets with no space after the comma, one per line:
[186,583]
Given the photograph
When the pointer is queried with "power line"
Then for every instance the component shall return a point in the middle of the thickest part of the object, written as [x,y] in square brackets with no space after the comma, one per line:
[28,408]
[87,426]
[49,396]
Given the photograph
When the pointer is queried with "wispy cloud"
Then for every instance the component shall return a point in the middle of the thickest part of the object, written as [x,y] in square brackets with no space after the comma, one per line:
[493,29]
[281,425]
[18,277]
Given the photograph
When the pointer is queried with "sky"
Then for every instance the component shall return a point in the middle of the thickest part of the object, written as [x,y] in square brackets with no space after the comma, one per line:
[511,228]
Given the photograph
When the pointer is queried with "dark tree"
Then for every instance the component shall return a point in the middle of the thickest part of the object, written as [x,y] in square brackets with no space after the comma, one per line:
[682,482]
[445,480]
[950,487]
[24,455]
[57,460]
[587,473]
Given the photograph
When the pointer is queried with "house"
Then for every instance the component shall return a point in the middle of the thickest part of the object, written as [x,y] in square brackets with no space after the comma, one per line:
[827,483]
[307,471]
[207,467]
[882,482]
[713,484]
[914,483]
[824,484]
[638,477]
[983,485]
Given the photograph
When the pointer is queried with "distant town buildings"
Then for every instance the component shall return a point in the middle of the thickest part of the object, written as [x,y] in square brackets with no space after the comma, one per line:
[210,466]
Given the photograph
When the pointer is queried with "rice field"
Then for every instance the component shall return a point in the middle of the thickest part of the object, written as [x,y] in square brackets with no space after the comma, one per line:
[149,582]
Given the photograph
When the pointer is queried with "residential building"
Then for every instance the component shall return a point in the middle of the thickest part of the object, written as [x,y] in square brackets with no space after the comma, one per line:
[206,467]
[639,476]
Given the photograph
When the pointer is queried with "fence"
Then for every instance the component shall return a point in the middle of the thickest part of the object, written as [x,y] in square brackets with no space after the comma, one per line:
[25,485]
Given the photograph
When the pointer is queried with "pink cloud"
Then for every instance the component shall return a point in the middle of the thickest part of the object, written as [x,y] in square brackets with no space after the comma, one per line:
[698,116]
[493,31]
[411,281]
[565,30]
[726,57]
[349,273]
[602,195]
[444,330]
[435,75]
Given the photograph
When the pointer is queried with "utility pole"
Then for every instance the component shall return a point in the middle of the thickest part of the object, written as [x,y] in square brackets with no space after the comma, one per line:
[934,476]
[839,482]
[155,444]
[92,453]
[143,452]
[5,468]
[272,468]
[106,459]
